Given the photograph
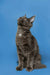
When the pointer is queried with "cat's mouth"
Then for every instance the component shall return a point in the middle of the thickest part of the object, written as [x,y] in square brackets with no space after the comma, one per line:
[24,26]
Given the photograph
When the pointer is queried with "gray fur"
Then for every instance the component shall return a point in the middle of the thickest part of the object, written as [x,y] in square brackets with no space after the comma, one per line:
[27,47]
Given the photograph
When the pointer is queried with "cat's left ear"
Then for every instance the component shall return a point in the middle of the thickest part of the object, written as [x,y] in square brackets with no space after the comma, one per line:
[32,19]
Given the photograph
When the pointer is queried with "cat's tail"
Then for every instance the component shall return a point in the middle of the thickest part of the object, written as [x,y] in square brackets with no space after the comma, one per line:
[39,66]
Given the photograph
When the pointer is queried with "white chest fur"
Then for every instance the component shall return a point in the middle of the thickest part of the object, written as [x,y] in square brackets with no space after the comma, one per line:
[20,34]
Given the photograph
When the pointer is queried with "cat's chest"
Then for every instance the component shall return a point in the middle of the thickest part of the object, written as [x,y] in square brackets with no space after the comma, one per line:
[20,34]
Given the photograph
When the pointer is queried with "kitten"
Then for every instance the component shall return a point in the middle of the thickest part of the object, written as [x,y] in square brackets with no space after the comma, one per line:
[27,47]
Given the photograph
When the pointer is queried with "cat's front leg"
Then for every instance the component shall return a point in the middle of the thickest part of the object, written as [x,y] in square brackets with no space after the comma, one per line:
[20,66]
[21,58]
[30,61]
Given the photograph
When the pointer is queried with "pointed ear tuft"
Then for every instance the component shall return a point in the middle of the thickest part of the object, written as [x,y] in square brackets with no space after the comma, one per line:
[32,19]
[25,15]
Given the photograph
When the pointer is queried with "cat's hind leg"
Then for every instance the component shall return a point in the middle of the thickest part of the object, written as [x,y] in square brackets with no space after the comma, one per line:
[37,63]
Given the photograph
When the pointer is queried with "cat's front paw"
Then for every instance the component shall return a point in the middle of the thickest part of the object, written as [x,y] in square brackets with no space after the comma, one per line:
[19,68]
[29,69]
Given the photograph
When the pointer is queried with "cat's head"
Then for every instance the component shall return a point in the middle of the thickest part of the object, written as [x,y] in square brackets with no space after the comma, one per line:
[26,23]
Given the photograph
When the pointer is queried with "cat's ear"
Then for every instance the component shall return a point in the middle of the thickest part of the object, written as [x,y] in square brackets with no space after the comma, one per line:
[32,19]
[25,15]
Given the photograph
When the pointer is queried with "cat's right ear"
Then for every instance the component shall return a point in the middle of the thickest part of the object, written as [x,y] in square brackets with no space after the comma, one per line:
[32,19]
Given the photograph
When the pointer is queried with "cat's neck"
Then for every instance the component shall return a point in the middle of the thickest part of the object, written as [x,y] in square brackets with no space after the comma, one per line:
[22,30]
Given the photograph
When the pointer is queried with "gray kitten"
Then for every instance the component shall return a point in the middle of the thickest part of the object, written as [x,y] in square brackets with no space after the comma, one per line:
[27,47]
